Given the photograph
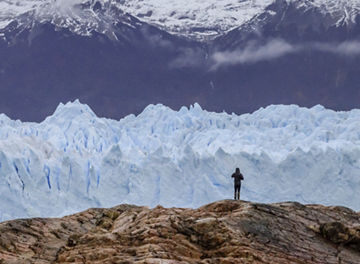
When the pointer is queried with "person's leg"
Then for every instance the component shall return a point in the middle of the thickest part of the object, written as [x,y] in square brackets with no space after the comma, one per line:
[235,192]
[239,192]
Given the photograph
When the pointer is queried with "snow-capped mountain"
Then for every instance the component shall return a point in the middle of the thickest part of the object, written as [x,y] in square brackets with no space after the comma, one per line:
[195,19]
[213,18]
[119,56]
[74,160]
[79,17]
[228,55]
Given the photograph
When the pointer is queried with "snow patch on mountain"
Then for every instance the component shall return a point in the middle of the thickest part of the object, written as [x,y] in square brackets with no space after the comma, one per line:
[345,11]
[74,160]
[196,17]
[78,16]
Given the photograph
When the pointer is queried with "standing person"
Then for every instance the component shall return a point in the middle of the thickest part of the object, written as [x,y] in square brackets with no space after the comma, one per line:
[238,177]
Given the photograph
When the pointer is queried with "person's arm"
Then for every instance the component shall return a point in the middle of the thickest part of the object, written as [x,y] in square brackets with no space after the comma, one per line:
[242,177]
[232,175]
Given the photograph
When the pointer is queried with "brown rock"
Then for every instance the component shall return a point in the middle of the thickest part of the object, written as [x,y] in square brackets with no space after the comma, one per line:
[222,232]
[338,233]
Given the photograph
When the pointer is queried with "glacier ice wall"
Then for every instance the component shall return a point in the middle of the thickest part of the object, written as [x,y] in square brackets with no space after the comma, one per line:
[74,160]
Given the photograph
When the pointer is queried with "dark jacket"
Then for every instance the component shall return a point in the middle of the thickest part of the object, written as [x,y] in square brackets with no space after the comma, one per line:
[237,178]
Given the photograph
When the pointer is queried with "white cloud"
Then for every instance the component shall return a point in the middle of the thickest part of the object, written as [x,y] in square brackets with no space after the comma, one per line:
[155,39]
[273,49]
[253,53]
[65,7]
[348,48]
[189,58]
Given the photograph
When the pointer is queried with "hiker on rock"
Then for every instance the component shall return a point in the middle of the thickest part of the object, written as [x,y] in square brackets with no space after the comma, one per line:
[238,177]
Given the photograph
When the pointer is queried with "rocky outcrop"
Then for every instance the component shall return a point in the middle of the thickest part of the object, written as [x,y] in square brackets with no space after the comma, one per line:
[222,232]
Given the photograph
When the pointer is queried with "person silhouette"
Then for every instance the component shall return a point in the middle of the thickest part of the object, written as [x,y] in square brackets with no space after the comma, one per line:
[238,177]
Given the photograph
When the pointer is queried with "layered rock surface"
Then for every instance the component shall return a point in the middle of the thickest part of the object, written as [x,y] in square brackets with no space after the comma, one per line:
[222,232]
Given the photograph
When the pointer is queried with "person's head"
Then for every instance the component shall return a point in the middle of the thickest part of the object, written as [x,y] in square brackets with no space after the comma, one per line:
[237,170]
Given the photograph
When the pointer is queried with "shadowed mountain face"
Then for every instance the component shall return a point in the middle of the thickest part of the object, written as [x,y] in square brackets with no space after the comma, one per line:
[300,57]
[285,55]
[116,77]
[222,232]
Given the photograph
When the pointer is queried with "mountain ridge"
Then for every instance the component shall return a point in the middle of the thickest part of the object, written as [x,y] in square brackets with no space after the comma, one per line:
[184,19]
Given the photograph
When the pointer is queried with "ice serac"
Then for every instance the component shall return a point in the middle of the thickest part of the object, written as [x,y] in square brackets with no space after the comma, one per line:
[74,160]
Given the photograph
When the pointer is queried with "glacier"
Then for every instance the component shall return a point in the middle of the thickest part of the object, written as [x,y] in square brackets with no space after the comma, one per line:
[74,160]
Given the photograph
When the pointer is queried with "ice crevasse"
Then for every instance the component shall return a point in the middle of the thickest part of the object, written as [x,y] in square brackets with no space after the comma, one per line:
[74,160]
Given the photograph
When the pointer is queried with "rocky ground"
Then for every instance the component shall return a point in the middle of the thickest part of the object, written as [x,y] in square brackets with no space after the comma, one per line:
[222,232]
